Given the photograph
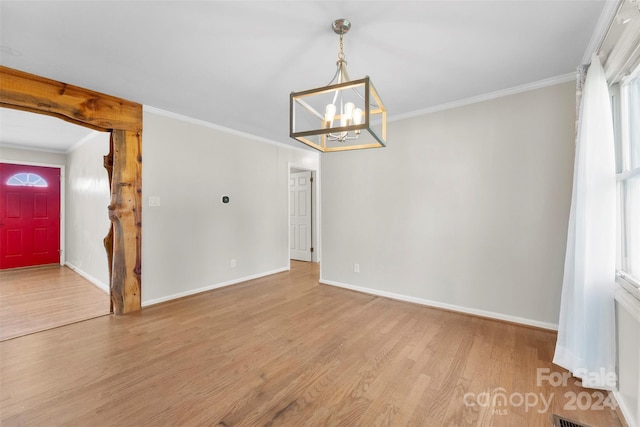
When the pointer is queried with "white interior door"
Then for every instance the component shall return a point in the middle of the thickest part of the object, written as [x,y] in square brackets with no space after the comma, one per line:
[300,215]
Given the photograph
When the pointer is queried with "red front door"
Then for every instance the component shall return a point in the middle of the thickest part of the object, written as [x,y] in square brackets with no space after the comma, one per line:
[29,215]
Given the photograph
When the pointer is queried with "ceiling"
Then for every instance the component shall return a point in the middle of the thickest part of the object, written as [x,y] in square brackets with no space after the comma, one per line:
[37,131]
[234,63]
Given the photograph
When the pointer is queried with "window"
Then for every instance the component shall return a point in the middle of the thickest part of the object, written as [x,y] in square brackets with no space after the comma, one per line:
[627,119]
[27,180]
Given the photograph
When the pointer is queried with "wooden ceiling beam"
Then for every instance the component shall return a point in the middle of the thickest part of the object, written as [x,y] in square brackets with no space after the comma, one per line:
[82,106]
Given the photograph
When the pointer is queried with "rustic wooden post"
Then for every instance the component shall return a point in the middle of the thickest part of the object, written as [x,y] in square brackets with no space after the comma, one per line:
[125,212]
[23,91]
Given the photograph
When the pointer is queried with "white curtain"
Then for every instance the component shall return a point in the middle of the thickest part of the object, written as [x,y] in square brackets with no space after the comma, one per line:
[586,335]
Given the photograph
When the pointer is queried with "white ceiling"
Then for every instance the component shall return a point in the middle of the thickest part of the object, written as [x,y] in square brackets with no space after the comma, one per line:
[234,63]
[36,131]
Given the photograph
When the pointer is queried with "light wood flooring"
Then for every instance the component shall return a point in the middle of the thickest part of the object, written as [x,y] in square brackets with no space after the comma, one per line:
[40,298]
[283,350]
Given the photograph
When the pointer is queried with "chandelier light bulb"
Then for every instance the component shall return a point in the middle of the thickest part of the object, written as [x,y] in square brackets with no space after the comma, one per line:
[348,110]
[329,114]
[357,116]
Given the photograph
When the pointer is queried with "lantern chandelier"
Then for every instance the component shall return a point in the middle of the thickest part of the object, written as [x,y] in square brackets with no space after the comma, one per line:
[333,117]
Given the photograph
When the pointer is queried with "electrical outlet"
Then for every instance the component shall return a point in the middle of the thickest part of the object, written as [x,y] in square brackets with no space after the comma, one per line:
[356,268]
[233,263]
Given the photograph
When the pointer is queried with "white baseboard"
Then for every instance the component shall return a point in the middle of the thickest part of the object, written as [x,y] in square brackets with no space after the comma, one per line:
[104,288]
[460,309]
[211,287]
[626,412]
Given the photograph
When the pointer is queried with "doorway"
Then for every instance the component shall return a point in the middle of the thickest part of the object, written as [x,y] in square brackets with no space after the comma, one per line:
[303,229]
[29,215]
[123,120]
[43,185]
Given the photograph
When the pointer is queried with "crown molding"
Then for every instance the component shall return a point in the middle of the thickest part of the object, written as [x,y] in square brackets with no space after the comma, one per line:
[448,106]
[487,96]
[31,148]
[198,122]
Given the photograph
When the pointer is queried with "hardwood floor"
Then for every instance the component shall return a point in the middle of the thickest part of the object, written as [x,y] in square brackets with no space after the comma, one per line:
[284,350]
[41,298]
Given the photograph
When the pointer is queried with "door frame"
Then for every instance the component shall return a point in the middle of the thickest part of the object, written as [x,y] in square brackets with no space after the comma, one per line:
[315,211]
[123,119]
[62,196]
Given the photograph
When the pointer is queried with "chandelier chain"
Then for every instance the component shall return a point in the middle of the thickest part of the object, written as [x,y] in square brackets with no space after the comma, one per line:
[341,53]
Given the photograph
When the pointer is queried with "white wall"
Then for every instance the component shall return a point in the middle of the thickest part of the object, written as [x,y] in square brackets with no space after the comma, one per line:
[188,241]
[466,208]
[17,155]
[87,198]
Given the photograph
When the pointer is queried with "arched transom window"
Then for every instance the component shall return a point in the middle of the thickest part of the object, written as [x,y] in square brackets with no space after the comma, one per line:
[25,179]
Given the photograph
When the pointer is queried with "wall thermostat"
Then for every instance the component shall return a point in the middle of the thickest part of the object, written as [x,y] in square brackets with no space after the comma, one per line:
[225,199]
